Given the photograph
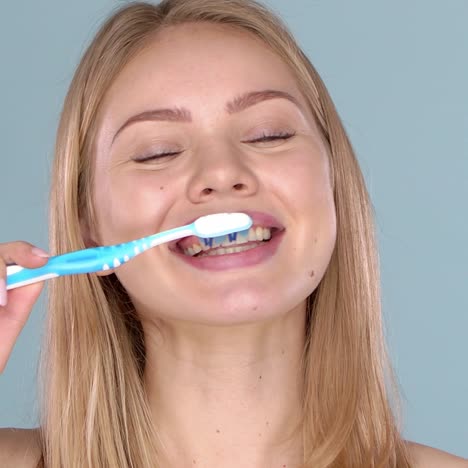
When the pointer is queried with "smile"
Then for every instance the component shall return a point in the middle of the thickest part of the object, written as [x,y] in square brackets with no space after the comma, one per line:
[232,243]
[233,252]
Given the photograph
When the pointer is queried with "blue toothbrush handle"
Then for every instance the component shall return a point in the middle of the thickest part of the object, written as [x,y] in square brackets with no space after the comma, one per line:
[107,257]
[90,260]
[81,261]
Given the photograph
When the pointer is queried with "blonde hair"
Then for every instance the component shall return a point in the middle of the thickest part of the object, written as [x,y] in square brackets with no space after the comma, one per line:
[94,409]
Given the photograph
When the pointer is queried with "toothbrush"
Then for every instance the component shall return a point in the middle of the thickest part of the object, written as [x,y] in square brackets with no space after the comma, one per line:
[107,257]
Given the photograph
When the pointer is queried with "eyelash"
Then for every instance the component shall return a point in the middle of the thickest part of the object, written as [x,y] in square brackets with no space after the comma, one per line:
[266,137]
[263,139]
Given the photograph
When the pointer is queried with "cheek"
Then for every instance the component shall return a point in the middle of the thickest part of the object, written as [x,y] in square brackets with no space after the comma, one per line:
[307,181]
[310,195]
[131,205]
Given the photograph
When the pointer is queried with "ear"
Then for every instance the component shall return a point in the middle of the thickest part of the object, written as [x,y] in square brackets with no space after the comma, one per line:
[89,242]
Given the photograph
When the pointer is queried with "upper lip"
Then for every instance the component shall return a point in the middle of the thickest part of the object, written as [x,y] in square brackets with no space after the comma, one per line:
[259,218]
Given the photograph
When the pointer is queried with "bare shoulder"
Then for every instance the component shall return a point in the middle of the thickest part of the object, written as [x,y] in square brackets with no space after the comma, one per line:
[429,457]
[19,448]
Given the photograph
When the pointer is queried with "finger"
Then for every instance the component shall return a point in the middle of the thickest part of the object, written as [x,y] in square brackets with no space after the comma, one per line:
[22,253]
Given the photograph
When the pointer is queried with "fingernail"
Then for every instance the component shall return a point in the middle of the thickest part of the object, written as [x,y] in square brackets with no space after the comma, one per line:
[39,252]
[3,293]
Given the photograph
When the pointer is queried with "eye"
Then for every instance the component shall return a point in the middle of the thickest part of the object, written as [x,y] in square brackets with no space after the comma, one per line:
[274,136]
[155,156]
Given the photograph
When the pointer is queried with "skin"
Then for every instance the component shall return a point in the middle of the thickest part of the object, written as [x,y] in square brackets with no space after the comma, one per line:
[223,349]
[217,343]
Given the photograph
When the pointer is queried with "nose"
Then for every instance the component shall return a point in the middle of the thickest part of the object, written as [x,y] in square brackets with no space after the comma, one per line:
[221,172]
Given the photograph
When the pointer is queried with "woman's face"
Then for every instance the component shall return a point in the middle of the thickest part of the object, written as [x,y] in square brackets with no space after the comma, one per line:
[238,137]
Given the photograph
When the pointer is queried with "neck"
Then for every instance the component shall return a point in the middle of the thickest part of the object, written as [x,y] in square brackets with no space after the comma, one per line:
[227,396]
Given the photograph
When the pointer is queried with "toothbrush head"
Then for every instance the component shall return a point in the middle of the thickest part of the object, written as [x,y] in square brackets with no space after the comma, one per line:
[221,224]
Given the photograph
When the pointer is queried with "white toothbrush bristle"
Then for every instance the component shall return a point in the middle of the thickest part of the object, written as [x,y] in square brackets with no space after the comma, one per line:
[218,224]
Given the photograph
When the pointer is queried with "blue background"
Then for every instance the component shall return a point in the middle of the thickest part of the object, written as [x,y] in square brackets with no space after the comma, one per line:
[398,74]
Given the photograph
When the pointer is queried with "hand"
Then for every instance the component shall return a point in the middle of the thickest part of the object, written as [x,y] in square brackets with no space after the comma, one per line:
[16,304]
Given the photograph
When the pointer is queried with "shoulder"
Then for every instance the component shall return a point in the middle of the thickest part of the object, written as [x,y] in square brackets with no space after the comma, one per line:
[19,448]
[428,457]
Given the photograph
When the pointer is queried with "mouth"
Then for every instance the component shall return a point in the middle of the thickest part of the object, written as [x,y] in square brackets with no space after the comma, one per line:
[249,254]
[264,229]
[232,243]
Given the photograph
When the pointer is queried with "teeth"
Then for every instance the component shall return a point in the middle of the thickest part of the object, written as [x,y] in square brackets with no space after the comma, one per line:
[222,251]
[254,234]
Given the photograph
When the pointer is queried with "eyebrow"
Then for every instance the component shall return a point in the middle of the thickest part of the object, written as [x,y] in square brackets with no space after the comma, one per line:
[238,104]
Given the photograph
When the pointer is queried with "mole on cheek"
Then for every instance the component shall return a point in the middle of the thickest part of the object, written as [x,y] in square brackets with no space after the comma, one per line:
[162,187]
[312,274]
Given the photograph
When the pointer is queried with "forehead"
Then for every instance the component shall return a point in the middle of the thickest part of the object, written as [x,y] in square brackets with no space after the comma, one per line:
[196,65]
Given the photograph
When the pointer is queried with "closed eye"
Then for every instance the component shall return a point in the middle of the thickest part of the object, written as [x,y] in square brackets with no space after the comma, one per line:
[156,156]
[265,138]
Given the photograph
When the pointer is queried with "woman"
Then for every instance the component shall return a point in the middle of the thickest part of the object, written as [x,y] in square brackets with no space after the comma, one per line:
[270,357]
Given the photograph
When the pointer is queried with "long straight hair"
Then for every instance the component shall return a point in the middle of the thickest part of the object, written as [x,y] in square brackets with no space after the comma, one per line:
[94,410]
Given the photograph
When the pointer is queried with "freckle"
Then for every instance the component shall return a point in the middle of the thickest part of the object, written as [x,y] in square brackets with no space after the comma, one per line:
[217,430]
[282,351]
[194,462]
[312,274]
[259,434]
[255,308]
[260,377]
[268,423]
[315,240]
[162,187]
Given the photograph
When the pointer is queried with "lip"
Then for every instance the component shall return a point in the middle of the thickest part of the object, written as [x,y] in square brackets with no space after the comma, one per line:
[251,257]
[259,218]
